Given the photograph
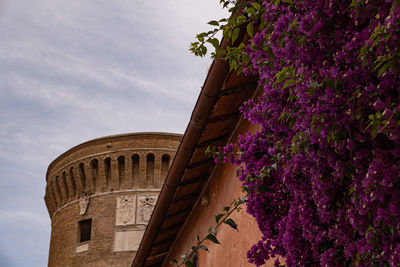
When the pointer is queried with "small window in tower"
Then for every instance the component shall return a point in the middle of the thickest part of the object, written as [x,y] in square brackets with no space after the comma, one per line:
[85,230]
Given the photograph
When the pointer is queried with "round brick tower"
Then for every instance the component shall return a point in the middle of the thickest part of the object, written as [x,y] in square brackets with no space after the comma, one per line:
[100,195]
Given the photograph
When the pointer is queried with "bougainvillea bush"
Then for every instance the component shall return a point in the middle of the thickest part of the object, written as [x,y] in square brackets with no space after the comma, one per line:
[323,172]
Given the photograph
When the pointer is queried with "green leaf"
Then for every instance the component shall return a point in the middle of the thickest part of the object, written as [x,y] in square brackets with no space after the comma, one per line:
[226,208]
[256,5]
[204,248]
[369,229]
[231,223]
[281,77]
[288,83]
[189,264]
[235,34]
[218,217]
[213,22]
[383,69]
[250,29]
[240,19]
[203,50]
[251,11]
[357,259]
[352,189]
[294,24]
[173,261]
[213,239]
[214,42]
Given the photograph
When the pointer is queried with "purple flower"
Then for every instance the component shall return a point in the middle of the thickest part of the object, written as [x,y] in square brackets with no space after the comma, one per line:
[323,173]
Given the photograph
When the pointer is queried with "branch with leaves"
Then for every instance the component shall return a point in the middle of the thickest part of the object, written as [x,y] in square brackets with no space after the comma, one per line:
[222,218]
[245,16]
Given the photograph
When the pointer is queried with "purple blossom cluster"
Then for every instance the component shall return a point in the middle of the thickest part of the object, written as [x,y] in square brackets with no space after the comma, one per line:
[323,173]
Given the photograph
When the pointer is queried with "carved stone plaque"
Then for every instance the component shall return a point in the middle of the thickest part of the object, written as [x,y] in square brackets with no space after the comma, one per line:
[127,240]
[126,209]
[82,247]
[145,208]
[83,202]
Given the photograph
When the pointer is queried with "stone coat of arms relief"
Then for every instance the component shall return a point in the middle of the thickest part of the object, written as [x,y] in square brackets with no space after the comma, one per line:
[145,208]
[83,202]
[126,207]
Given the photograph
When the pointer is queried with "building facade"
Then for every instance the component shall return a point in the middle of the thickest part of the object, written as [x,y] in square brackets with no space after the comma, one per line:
[100,196]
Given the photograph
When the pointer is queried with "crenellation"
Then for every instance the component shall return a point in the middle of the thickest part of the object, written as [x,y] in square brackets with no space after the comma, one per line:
[135,170]
[157,169]
[94,173]
[70,185]
[114,174]
[74,173]
[61,198]
[165,164]
[128,172]
[82,176]
[107,172]
[121,172]
[55,193]
[87,168]
[64,188]
[101,186]
[149,170]
[142,170]
[52,197]
[49,202]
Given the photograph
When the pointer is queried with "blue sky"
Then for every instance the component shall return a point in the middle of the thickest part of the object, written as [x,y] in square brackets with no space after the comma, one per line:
[72,71]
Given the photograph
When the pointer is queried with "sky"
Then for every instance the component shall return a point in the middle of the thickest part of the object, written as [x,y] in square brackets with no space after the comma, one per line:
[72,71]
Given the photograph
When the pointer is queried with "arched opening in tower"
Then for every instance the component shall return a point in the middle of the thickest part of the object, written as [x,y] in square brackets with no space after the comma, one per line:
[135,169]
[82,176]
[164,165]
[64,185]
[72,179]
[107,170]
[150,169]
[121,170]
[94,166]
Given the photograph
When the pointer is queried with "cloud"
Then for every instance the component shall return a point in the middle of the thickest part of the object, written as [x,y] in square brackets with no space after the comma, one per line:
[72,71]
[23,216]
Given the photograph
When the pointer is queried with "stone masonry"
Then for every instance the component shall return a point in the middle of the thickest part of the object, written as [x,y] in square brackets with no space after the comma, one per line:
[100,196]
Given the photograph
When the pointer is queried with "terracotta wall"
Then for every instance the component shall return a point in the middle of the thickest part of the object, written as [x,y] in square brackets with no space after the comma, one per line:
[223,188]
